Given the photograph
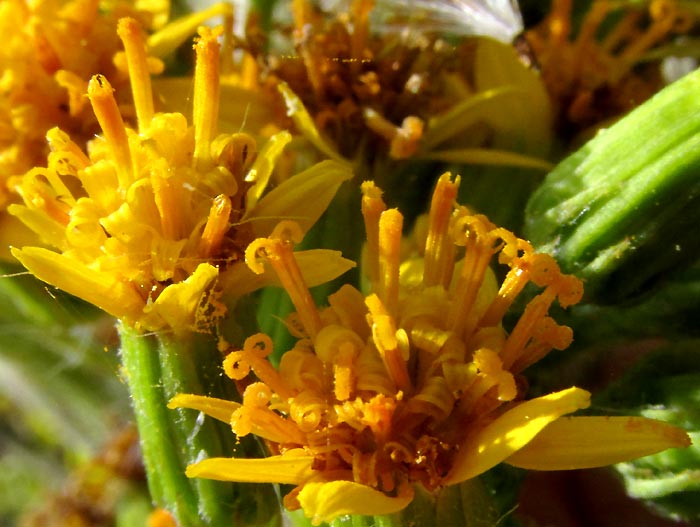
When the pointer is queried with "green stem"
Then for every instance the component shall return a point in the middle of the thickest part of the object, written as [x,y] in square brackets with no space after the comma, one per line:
[168,485]
[158,367]
[184,368]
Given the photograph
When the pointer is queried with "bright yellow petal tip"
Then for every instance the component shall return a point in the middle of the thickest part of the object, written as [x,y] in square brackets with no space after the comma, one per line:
[291,468]
[589,441]
[512,431]
[323,502]
[217,408]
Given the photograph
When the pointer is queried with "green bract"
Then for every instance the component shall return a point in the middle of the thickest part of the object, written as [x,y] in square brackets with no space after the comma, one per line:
[621,211]
[665,385]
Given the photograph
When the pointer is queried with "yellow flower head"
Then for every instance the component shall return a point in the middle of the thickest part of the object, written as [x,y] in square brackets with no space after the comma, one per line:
[592,78]
[417,383]
[50,50]
[146,220]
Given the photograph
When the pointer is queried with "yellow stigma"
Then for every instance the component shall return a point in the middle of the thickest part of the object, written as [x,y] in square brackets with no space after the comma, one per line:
[104,105]
[278,251]
[134,45]
[216,227]
[206,97]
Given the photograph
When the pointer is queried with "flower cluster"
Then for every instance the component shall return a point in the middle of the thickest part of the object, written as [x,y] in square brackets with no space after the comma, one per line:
[145,221]
[417,382]
[411,378]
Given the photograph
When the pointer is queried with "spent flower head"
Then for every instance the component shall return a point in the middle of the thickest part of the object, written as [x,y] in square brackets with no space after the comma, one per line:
[605,68]
[417,382]
[145,221]
[359,89]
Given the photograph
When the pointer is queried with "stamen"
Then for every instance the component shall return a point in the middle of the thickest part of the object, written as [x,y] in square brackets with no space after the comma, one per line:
[135,47]
[372,208]
[364,469]
[206,98]
[623,31]
[591,22]
[384,334]
[168,198]
[407,138]
[279,253]
[344,375]
[101,97]
[359,11]
[439,249]
[216,227]
[559,20]
[255,416]
[548,335]
[59,141]
[390,226]
[253,356]
[513,284]
[339,346]
[307,409]
[435,399]
[41,198]
[534,312]
[664,13]
[377,413]
[301,12]
[379,124]
[403,139]
[227,47]
[479,250]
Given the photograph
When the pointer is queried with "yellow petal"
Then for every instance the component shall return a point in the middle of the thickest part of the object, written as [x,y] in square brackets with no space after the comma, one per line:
[217,408]
[302,198]
[101,289]
[305,123]
[465,114]
[318,266]
[177,305]
[178,31]
[293,467]
[242,105]
[513,430]
[488,156]
[322,502]
[39,222]
[259,174]
[585,442]
[526,119]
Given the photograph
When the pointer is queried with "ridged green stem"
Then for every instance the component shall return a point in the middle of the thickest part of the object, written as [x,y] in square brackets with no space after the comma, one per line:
[157,367]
